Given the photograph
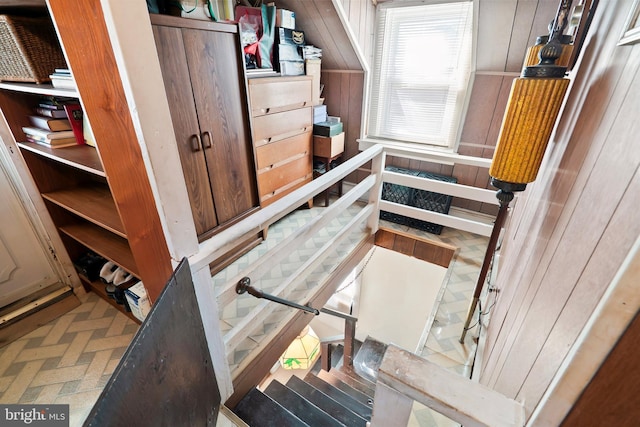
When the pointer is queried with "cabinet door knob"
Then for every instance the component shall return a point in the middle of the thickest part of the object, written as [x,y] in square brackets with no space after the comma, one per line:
[208,141]
[195,142]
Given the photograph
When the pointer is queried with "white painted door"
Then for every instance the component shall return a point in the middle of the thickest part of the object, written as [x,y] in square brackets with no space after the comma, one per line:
[24,263]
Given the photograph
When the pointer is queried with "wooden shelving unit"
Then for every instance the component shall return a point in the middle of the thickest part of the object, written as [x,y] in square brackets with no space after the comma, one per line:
[83,157]
[98,288]
[73,183]
[94,204]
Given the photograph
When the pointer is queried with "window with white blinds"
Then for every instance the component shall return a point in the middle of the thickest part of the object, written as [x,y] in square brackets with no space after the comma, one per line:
[422,68]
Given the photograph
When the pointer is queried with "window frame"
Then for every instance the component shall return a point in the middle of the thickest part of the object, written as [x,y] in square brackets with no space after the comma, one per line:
[462,101]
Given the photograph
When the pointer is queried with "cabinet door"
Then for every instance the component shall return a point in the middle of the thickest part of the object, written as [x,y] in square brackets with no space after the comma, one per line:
[175,72]
[220,98]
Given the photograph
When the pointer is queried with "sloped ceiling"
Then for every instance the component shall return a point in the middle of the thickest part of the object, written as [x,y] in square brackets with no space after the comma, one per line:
[323,28]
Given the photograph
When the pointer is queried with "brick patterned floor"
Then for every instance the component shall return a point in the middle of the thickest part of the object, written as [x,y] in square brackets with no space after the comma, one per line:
[67,361]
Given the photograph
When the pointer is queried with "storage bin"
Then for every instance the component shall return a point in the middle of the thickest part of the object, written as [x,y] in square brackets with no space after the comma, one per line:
[29,49]
[422,199]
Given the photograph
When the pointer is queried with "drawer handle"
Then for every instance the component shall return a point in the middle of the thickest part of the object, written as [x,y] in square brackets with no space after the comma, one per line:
[265,110]
[208,141]
[196,142]
[304,104]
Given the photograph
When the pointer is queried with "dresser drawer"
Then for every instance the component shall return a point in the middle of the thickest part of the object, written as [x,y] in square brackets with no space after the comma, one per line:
[277,126]
[275,94]
[280,152]
[279,179]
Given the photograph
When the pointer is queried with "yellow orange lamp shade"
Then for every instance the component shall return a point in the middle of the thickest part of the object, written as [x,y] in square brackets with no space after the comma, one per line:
[532,109]
[302,352]
[532,56]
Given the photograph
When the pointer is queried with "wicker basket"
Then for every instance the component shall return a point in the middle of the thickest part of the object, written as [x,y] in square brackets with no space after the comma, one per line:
[29,49]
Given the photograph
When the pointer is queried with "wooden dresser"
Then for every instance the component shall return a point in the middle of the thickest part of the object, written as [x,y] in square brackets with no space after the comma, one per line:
[282,124]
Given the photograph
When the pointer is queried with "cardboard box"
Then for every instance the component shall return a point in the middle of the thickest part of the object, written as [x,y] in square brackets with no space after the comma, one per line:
[285,19]
[327,128]
[312,68]
[328,146]
[138,301]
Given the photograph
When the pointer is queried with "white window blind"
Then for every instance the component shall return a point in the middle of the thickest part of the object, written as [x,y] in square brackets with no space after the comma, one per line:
[421,72]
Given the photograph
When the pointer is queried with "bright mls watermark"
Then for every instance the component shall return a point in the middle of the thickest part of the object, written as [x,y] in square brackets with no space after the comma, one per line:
[34,415]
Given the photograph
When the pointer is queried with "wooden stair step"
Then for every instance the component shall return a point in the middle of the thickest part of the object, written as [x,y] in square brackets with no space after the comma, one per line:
[354,380]
[336,355]
[349,385]
[299,406]
[363,410]
[257,409]
[324,402]
[343,386]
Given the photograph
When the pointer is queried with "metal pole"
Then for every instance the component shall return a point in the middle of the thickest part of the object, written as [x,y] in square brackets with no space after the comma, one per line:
[244,285]
[505,198]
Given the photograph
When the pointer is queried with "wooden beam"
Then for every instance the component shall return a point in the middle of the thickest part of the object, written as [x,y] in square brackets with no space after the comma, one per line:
[455,396]
[425,249]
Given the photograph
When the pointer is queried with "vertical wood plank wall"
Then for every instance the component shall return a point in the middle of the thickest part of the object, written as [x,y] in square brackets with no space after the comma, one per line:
[506,29]
[568,237]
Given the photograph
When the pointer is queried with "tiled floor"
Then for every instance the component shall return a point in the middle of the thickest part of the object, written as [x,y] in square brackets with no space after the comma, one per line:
[70,359]
[67,361]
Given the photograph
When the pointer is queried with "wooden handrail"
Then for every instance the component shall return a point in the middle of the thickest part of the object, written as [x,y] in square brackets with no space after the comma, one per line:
[404,377]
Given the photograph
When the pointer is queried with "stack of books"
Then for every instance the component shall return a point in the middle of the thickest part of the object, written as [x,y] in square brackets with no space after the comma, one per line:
[53,139]
[58,123]
[62,79]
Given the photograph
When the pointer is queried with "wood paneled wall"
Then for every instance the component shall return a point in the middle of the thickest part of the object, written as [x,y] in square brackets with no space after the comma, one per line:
[505,30]
[569,236]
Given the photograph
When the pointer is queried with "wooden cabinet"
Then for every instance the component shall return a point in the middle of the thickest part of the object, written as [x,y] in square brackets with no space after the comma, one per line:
[282,124]
[205,85]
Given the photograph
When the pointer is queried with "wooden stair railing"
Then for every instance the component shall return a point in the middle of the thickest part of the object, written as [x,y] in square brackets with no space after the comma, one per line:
[404,377]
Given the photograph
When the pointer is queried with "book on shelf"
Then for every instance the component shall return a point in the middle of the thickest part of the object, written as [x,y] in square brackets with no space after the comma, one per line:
[50,123]
[74,115]
[87,132]
[53,143]
[63,83]
[56,114]
[47,134]
[55,102]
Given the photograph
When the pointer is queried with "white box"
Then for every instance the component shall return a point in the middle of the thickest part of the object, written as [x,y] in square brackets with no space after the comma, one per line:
[291,68]
[285,19]
[138,301]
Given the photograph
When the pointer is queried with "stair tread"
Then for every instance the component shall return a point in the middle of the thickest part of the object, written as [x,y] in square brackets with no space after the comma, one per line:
[362,409]
[338,374]
[367,361]
[299,406]
[327,404]
[352,375]
[257,409]
[345,387]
